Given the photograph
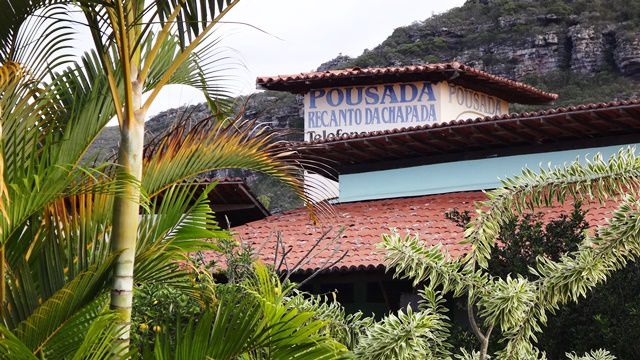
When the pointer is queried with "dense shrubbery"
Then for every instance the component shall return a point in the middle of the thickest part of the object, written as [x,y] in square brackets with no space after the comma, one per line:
[579,89]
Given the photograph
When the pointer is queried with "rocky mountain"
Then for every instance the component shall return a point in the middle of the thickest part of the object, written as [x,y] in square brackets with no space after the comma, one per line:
[584,50]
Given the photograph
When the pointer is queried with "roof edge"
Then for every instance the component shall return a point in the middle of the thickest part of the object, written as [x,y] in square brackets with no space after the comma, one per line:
[492,84]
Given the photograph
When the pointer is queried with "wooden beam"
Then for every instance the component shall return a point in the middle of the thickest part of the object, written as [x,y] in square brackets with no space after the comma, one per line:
[634,114]
[611,120]
[431,147]
[350,149]
[563,128]
[482,131]
[534,129]
[633,111]
[590,121]
[384,149]
[450,139]
[404,145]
[514,132]
[231,207]
[576,122]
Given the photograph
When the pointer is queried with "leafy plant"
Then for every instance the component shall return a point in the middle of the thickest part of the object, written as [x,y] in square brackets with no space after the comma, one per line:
[593,355]
[267,327]
[525,238]
[161,308]
[608,315]
[408,335]
[515,305]
[70,229]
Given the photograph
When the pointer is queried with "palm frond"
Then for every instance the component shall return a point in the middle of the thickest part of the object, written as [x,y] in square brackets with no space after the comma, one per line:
[35,34]
[246,324]
[179,222]
[348,329]
[194,18]
[12,348]
[67,314]
[212,145]
[98,333]
[99,339]
[207,69]
[69,338]
[82,90]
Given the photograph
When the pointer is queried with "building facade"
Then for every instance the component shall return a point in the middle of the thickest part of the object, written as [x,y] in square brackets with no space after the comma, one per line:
[408,144]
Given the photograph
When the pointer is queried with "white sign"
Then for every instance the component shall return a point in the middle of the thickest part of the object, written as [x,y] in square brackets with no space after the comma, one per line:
[334,112]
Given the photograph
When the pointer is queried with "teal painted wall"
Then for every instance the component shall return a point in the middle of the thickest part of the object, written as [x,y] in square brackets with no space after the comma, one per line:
[453,176]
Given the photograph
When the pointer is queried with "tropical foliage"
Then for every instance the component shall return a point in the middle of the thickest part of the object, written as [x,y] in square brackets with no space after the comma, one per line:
[515,305]
[268,326]
[607,317]
[60,216]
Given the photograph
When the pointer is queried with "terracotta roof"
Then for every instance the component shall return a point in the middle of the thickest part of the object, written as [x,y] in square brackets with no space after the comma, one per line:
[558,125]
[455,73]
[365,222]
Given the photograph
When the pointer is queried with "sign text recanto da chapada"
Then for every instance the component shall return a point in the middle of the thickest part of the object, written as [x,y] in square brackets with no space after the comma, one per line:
[333,112]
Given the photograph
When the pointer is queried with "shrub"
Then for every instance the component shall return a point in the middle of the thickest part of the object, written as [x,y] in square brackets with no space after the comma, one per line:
[607,318]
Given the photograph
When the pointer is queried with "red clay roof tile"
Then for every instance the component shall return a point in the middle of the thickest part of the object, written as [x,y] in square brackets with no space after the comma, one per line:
[366,221]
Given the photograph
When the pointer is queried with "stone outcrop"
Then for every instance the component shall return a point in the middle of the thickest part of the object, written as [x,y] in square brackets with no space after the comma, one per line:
[277,110]
[338,62]
[627,55]
[587,47]
[529,41]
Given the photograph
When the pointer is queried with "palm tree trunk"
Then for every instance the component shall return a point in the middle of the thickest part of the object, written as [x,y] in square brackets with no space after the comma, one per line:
[126,211]
[3,216]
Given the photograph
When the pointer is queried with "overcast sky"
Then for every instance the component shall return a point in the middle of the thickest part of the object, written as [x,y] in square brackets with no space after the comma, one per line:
[299,35]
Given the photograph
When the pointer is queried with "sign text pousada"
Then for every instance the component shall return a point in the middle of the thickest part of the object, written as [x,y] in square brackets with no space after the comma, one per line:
[332,112]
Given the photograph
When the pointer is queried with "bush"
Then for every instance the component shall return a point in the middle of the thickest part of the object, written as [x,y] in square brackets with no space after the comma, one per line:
[160,308]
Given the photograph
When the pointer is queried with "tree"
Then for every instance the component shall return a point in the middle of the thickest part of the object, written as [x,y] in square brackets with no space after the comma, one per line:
[515,305]
[58,212]
[140,47]
[607,317]
[525,238]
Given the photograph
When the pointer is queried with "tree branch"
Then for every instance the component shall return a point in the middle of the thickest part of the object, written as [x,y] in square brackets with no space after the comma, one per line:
[472,321]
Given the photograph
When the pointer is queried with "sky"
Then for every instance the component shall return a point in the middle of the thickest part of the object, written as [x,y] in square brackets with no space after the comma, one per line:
[290,36]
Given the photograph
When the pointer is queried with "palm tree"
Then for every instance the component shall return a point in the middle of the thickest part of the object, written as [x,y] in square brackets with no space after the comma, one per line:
[139,48]
[144,46]
[57,229]
[67,227]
